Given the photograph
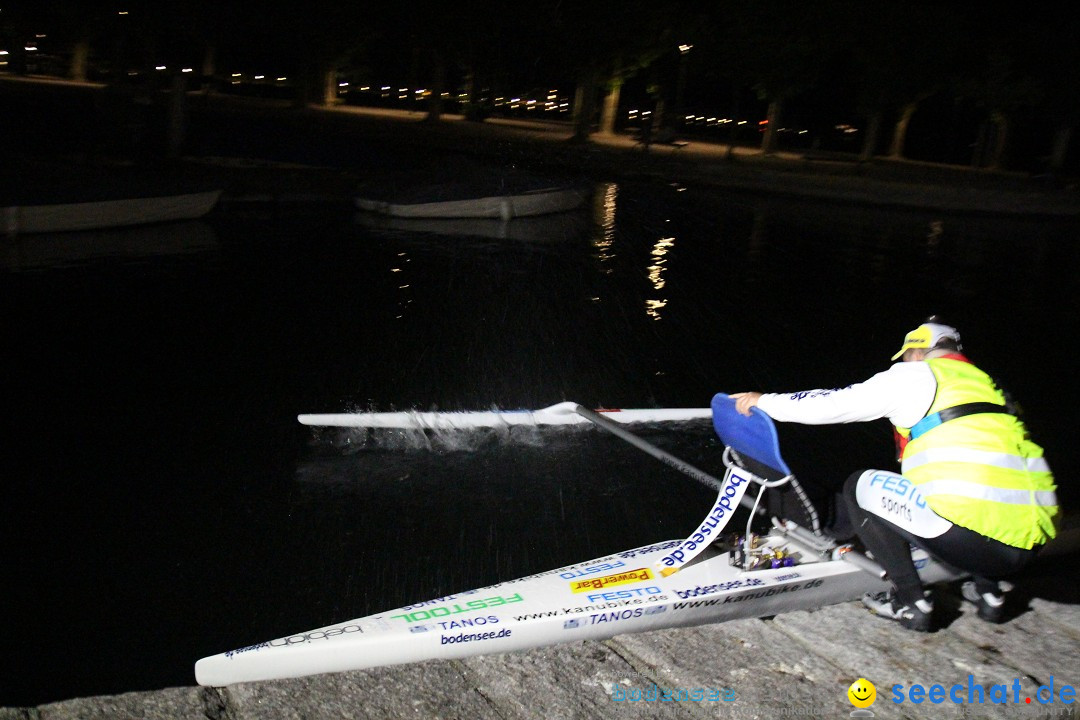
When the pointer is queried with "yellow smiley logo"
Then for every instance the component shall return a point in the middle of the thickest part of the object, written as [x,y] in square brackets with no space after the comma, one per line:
[862,693]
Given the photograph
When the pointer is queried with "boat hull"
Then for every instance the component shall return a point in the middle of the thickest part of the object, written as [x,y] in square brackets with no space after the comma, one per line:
[601,598]
[107,213]
[529,204]
[548,228]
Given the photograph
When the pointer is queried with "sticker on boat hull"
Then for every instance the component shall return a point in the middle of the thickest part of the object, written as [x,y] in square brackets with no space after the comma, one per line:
[624,578]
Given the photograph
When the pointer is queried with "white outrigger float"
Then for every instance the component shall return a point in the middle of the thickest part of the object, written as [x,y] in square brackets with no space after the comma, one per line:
[675,583]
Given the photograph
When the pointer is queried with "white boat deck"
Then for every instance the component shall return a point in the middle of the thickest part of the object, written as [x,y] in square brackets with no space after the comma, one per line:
[801,661]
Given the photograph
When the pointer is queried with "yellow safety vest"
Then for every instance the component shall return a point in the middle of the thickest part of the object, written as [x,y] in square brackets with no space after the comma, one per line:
[980,471]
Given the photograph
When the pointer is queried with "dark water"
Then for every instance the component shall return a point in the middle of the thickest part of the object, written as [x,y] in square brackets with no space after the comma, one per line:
[161,503]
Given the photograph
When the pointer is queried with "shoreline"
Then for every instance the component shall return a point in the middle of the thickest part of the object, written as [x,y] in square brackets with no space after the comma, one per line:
[267,150]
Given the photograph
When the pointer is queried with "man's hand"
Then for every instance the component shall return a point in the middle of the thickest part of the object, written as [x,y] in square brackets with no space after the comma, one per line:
[745,400]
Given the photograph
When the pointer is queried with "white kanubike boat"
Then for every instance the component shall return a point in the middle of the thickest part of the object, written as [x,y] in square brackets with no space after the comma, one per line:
[673,583]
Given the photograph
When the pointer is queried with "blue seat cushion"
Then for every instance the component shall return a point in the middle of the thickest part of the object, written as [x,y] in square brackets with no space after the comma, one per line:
[753,437]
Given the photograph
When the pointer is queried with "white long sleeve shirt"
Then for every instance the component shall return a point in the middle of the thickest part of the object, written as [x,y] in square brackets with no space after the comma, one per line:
[903,394]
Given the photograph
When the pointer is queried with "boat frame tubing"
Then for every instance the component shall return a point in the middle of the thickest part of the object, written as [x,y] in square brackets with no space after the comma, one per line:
[852,556]
[662,455]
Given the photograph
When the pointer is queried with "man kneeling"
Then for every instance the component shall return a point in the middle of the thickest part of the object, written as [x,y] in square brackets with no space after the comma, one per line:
[974,490]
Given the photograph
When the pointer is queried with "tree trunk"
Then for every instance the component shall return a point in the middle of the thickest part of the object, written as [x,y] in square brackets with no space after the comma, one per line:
[329,86]
[899,138]
[772,126]
[80,56]
[610,109]
[978,153]
[999,139]
[177,127]
[209,68]
[584,106]
[1060,149]
[473,112]
[660,116]
[306,78]
[733,130]
[870,138]
[435,99]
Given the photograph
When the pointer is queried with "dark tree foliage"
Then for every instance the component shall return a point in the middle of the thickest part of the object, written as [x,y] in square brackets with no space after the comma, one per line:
[881,65]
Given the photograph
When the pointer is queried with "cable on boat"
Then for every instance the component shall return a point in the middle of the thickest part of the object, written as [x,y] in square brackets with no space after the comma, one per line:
[732,459]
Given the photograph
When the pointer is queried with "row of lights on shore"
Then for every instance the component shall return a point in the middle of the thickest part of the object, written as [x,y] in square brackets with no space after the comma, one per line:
[688,119]
[238,78]
[30,46]
[718,121]
[552,102]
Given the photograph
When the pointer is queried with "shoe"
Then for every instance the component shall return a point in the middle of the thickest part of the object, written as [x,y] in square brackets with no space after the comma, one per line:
[918,617]
[991,605]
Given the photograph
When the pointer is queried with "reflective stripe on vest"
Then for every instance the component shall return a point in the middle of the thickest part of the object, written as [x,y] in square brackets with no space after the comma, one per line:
[1046,498]
[1005,461]
[980,470]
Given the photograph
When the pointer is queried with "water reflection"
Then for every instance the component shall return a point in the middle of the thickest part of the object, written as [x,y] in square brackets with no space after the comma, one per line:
[404,296]
[42,251]
[879,245]
[554,227]
[653,306]
[604,205]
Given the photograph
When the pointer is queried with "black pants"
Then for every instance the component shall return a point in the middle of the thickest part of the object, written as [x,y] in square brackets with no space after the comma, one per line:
[987,560]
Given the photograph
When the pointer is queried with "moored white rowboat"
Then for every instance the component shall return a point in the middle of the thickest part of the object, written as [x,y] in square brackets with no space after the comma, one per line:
[552,227]
[106,213]
[526,204]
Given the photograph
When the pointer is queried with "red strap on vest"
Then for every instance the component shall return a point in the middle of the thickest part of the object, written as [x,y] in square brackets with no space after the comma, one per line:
[901,443]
